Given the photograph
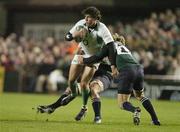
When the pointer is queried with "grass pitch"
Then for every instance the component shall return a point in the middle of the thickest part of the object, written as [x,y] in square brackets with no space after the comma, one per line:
[17,115]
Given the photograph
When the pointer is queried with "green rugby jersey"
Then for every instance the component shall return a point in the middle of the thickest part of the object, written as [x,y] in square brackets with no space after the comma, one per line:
[124,57]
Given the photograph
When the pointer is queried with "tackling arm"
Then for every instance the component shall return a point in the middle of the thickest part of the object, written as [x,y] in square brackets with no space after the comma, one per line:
[107,50]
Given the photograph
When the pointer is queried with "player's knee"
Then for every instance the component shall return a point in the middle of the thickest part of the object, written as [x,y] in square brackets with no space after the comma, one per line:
[94,87]
[94,93]
[95,99]
[139,95]
[83,85]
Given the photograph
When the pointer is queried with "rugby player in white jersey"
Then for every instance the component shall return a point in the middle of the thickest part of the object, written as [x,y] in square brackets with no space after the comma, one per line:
[92,35]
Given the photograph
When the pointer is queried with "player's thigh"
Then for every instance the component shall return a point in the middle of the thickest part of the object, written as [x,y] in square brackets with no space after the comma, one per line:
[75,71]
[139,81]
[87,74]
[138,87]
[124,82]
[95,86]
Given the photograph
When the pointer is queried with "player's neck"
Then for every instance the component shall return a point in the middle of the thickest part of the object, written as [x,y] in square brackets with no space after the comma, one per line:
[93,26]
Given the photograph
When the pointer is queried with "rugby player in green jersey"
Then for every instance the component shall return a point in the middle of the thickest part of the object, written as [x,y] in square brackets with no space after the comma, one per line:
[129,77]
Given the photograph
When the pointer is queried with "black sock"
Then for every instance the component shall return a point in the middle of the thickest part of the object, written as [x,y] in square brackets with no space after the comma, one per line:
[149,108]
[129,107]
[66,100]
[96,104]
[58,102]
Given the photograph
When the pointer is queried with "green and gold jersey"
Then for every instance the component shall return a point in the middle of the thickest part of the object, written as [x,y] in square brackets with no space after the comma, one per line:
[95,38]
[124,57]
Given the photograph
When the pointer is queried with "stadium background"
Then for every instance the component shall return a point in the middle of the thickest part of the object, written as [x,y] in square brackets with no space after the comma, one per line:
[32,42]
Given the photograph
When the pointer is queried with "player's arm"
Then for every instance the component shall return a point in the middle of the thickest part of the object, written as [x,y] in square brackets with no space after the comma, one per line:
[76,35]
[77,32]
[107,50]
[69,37]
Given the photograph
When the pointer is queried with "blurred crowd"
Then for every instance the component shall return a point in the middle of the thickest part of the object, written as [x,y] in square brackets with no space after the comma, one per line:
[154,41]
[38,63]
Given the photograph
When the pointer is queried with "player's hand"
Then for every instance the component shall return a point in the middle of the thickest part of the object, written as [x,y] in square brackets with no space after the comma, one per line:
[80,34]
[115,71]
[80,59]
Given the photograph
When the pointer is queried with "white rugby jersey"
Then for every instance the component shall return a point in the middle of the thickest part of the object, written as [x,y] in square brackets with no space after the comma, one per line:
[95,39]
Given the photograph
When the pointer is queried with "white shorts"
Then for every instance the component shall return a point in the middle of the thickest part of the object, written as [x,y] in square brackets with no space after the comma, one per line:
[75,61]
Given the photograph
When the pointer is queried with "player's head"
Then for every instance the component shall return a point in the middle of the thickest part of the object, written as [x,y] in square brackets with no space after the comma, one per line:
[118,38]
[91,14]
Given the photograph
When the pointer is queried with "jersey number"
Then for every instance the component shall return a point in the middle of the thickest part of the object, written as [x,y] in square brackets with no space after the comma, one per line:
[122,50]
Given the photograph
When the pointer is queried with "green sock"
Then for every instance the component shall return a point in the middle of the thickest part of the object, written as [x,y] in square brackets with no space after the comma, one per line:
[85,96]
[73,89]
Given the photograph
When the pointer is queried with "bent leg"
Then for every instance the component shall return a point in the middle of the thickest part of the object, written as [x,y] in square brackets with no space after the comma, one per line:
[84,84]
[95,87]
[63,99]
[126,105]
[147,105]
[123,101]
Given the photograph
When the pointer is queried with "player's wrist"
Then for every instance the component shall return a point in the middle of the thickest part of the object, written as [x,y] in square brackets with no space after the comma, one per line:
[69,37]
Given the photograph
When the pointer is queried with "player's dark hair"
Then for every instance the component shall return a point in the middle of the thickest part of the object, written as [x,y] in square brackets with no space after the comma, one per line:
[93,12]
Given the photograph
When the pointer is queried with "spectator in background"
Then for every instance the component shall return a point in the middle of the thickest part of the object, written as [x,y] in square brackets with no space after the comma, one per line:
[44,70]
[175,68]
[7,63]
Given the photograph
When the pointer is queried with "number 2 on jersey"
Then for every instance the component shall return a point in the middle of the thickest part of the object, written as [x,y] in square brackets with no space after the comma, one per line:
[121,49]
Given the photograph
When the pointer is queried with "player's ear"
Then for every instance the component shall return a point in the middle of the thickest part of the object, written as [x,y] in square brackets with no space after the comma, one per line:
[118,38]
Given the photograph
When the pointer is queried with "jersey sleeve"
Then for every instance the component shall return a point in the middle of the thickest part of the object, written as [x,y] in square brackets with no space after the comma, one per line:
[106,35]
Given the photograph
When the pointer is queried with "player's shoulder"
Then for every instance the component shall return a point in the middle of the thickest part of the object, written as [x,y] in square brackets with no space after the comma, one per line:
[101,23]
[102,26]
